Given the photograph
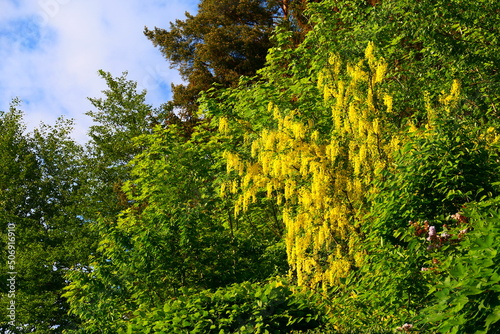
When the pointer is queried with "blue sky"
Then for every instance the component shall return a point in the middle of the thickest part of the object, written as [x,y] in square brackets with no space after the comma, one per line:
[51,50]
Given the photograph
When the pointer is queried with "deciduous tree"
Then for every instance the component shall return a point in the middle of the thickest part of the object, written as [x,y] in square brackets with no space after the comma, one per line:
[42,192]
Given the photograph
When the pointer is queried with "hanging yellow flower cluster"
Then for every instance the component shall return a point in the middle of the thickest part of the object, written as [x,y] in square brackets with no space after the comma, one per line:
[321,179]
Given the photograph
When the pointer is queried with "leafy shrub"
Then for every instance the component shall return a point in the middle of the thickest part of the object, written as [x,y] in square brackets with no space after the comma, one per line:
[467,298]
[437,171]
[240,308]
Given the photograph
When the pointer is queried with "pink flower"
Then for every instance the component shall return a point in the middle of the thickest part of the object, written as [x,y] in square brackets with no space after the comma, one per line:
[405,327]
[459,217]
[445,235]
[432,233]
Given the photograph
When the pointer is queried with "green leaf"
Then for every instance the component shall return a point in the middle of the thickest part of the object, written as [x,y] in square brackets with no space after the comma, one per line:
[493,317]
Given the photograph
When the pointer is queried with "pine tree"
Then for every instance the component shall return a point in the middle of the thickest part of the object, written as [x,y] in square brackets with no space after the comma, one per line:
[222,42]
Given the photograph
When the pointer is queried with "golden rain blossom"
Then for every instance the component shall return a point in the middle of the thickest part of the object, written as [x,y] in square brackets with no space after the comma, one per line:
[321,179]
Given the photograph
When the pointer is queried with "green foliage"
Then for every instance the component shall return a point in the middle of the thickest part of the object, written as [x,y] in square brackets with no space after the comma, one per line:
[119,117]
[176,233]
[442,166]
[122,115]
[17,163]
[42,191]
[171,248]
[238,308]
[466,297]
[437,172]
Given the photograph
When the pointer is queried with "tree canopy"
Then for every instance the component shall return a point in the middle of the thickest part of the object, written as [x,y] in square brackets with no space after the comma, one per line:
[43,194]
[328,167]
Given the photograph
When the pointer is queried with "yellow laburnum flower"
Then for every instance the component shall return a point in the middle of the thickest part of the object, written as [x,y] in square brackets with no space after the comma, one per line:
[454,94]
[380,71]
[369,55]
[388,102]
[222,190]
[321,81]
[321,187]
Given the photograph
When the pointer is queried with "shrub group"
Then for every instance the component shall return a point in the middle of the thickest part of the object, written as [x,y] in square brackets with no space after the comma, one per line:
[239,308]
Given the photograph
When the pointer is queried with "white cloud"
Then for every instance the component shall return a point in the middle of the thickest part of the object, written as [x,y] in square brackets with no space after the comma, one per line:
[51,51]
